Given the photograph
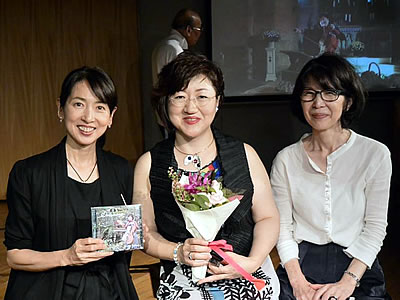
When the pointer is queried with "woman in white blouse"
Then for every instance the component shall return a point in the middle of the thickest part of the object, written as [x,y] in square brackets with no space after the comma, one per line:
[332,191]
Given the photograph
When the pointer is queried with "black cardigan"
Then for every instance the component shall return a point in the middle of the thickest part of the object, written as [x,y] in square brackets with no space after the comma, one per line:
[36,203]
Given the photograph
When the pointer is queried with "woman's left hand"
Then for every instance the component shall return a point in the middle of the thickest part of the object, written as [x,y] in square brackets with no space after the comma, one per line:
[341,290]
[227,271]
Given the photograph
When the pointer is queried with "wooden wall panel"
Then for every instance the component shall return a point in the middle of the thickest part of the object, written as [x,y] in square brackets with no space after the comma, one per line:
[40,42]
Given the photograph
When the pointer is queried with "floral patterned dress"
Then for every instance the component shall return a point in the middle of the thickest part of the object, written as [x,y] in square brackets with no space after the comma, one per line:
[179,285]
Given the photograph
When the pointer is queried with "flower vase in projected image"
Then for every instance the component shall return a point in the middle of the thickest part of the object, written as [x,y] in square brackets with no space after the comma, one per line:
[270,54]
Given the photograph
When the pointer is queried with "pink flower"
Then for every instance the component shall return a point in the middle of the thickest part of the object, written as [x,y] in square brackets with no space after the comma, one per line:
[195,180]
[239,197]
[216,197]
[198,191]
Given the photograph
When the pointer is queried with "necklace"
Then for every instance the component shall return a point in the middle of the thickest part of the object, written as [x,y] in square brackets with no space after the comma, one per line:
[76,172]
[193,158]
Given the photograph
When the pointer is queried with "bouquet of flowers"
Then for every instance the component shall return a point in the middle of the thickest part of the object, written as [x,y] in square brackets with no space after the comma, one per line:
[205,205]
[271,36]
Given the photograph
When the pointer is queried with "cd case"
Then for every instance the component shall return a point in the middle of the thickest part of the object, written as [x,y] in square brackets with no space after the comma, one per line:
[120,226]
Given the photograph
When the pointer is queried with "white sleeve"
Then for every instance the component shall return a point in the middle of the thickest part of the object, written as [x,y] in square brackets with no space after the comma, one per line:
[166,54]
[368,244]
[287,246]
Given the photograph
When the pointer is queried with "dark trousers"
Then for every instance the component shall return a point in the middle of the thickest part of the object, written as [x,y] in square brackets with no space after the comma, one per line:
[326,264]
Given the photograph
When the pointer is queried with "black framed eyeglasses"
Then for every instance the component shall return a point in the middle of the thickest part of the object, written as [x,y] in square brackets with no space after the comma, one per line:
[330,95]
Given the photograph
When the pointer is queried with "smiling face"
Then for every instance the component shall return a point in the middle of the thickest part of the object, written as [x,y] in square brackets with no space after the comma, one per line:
[86,117]
[321,115]
[192,120]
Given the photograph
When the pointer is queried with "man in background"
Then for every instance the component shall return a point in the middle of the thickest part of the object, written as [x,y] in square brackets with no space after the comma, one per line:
[185,32]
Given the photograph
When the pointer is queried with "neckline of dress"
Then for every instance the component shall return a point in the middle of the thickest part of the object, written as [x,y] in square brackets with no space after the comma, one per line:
[83,183]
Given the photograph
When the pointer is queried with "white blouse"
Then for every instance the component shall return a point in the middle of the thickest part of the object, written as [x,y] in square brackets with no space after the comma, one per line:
[347,205]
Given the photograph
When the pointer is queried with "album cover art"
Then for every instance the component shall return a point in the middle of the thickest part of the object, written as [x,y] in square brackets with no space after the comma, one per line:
[120,226]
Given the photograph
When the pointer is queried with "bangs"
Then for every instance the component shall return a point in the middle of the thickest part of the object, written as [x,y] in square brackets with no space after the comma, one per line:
[323,76]
[183,75]
[103,90]
[97,90]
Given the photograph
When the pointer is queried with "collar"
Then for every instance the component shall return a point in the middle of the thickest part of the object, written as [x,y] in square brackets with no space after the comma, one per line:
[334,155]
[176,35]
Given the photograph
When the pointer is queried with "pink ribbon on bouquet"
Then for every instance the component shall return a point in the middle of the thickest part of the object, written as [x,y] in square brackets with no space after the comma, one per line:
[220,245]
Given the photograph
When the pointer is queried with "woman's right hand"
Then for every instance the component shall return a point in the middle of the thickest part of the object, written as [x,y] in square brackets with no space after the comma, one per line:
[194,252]
[84,251]
[304,290]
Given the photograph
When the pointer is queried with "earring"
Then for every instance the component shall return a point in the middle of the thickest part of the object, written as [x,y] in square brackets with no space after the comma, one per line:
[109,126]
[216,109]
[61,119]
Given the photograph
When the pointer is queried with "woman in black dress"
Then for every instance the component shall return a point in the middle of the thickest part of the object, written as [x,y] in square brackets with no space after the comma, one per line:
[49,196]
[189,91]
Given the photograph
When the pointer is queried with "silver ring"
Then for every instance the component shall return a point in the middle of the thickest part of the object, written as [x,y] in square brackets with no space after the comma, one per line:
[190,257]
[333,297]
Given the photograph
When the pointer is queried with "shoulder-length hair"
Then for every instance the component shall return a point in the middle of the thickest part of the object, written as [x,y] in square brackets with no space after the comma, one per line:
[332,71]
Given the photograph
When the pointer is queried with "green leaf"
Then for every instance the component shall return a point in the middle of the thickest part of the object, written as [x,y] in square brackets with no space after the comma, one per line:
[191,206]
[202,201]
[228,193]
[201,189]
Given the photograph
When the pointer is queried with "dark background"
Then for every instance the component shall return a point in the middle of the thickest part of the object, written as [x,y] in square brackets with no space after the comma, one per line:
[239,41]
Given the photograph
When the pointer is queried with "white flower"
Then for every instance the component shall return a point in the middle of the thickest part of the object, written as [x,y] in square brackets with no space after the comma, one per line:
[216,185]
[184,180]
[218,196]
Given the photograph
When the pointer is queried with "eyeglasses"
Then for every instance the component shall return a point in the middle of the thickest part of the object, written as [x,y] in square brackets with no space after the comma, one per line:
[201,29]
[181,101]
[309,95]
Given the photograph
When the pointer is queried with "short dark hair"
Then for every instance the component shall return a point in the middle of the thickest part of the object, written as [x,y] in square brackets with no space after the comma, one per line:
[332,71]
[99,81]
[175,77]
[184,18]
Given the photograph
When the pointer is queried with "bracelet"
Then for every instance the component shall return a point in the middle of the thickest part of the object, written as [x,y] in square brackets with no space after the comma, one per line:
[176,253]
[354,276]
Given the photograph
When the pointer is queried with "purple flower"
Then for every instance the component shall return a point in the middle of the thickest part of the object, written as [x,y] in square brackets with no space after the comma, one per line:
[197,181]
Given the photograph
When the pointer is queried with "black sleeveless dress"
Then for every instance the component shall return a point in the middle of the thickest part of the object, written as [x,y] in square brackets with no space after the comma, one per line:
[175,281]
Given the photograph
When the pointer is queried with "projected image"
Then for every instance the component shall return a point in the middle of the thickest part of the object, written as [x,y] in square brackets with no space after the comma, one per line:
[261,45]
